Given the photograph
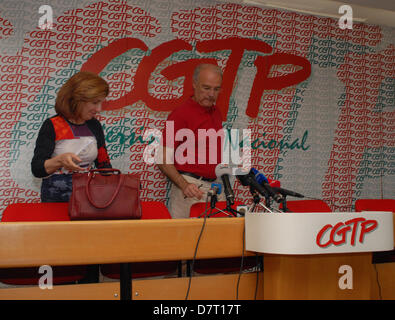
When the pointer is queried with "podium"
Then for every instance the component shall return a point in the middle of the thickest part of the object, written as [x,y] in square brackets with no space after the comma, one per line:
[320,255]
[56,243]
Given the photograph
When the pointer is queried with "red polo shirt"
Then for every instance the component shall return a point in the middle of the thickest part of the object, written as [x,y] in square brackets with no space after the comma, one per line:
[196,150]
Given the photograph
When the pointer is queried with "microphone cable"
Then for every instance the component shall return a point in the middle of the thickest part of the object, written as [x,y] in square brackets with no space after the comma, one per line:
[197,245]
[258,263]
[378,281]
[242,267]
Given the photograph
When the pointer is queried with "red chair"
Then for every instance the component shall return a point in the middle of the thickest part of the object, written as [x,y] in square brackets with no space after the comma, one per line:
[378,205]
[150,210]
[23,212]
[307,206]
[20,212]
[375,205]
[219,265]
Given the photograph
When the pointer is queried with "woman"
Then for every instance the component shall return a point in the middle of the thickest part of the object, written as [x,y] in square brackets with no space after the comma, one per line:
[73,139]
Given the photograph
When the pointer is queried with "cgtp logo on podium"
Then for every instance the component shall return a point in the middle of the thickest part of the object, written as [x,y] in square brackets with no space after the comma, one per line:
[342,229]
[319,232]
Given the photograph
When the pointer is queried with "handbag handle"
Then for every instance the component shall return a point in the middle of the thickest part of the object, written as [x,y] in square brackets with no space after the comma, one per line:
[91,175]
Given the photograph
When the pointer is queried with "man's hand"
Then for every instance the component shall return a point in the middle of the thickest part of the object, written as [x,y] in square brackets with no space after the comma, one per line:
[192,191]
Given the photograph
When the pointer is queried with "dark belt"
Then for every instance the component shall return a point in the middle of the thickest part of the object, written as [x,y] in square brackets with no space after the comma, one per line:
[197,177]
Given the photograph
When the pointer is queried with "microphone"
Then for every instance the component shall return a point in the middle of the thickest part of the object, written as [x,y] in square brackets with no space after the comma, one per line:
[264,182]
[276,185]
[249,180]
[223,171]
[286,192]
[215,189]
[262,178]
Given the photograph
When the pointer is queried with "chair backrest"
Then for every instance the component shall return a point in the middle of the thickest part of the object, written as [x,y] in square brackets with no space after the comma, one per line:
[307,206]
[154,210]
[197,209]
[58,211]
[49,211]
[375,205]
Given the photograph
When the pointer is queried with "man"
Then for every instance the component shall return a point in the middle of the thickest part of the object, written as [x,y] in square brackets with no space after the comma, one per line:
[192,179]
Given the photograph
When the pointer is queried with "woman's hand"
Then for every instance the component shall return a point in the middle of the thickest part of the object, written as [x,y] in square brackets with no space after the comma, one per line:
[68,161]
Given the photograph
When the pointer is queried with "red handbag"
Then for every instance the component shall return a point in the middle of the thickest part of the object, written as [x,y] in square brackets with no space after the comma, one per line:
[105,194]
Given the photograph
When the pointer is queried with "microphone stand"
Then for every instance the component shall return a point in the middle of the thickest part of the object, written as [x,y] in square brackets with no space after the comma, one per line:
[284,202]
[268,201]
[231,210]
[255,197]
[228,210]
[213,201]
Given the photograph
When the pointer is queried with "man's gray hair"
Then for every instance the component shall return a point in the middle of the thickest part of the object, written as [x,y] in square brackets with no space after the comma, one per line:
[202,66]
